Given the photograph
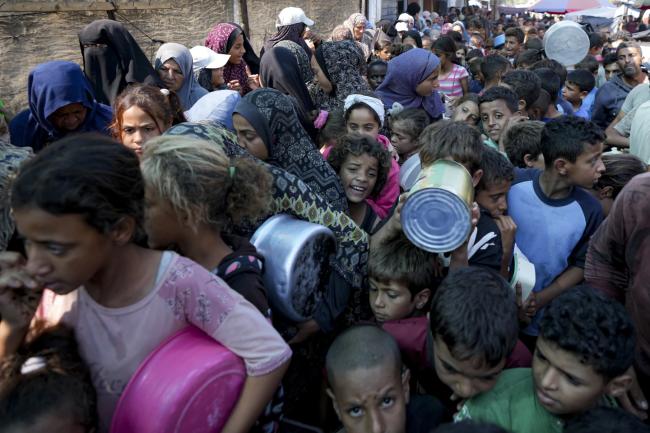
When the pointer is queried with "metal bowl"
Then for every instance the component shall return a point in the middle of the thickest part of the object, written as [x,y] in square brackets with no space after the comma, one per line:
[296,264]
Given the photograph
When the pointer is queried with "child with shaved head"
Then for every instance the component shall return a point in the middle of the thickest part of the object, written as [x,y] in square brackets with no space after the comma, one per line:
[369,387]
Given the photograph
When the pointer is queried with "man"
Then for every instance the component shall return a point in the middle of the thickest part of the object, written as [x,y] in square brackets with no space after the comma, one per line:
[611,95]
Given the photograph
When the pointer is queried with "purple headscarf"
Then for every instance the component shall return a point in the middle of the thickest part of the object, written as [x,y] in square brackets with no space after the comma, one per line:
[404,73]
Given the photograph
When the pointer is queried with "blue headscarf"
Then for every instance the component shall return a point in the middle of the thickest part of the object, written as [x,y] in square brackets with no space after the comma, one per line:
[51,86]
[404,74]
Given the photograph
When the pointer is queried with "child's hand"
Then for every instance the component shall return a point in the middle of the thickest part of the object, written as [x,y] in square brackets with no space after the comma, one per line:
[234,85]
[633,401]
[516,118]
[254,81]
[459,401]
[395,222]
[508,228]
[20,292]
[305,330]
[525,310]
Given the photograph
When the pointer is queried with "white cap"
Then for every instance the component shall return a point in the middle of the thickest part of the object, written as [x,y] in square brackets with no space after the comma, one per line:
[204,57]
[291,15]
[402,27]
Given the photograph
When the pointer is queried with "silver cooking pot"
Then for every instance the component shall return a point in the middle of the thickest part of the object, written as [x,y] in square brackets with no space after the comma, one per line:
[296,264]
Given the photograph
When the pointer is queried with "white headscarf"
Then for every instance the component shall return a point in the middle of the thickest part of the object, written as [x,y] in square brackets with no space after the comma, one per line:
[375,104]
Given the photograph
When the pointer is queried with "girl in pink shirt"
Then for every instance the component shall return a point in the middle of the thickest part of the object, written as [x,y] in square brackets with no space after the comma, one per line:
[453,78]
[79,206]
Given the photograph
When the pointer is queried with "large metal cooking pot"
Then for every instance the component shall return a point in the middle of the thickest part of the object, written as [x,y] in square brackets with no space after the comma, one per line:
[296,264]
[437,214]
[566,42]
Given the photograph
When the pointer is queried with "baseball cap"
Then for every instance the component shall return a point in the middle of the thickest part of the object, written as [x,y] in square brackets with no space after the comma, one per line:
[291,15]
[402,27]
[204,57]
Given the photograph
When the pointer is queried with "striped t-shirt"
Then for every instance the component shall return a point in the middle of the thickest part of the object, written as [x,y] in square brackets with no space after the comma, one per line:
[450,85]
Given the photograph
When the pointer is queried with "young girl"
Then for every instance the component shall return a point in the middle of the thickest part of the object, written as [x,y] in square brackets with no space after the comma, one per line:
[461,52]
[453,78]
[193,193]
[362,165]
[78,205]
[411,81]
[143,112]
[466,110]
[365,115]
[384,49]
[46,387]
[406,126]
[174,66]
[240,73]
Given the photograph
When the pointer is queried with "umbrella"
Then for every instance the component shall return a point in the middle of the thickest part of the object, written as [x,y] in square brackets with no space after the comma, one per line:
[606,12]
[564,6]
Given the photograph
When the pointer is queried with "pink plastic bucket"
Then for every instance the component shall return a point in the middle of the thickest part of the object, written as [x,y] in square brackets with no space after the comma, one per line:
[190,383]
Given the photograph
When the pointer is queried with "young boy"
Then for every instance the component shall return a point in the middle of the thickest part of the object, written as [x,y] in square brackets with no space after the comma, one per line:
[369,387]
[493,68]
[403,278]
[497,105]
[605,420]
[514,40]
[579,84]
[526,84]
[582,358]
[492,194]
[376,73]
[552,83]
[474,328]
[522,143]
[555,217]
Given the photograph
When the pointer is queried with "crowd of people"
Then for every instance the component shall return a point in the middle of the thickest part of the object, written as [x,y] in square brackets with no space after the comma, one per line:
[131,188]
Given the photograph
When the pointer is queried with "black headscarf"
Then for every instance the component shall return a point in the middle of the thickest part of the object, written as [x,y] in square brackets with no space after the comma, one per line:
[118,62]
[279,70]
[292,32]
[415,35]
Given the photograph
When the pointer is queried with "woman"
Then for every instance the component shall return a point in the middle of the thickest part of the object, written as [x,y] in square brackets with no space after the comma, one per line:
[243,65]
[279,70]
[289,32]
[357,24]
[411,81]
[337,66]
[304,62]
[112,60]
[174,66]
[268,127]
[61,101]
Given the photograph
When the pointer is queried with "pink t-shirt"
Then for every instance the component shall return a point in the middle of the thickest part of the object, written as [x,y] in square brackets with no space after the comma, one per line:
[450,85]
[114,341]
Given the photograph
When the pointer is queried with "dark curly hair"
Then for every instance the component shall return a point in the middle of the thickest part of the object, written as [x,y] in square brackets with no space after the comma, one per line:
[566,137]
[357,145]
[593,327]
[61,385]
[475,314]
[526,84]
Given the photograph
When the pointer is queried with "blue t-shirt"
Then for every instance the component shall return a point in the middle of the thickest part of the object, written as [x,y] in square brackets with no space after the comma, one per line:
[552,233]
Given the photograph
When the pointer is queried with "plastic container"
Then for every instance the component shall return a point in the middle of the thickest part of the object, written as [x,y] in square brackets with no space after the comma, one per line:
[190,383]
[296,264]
[566,42]
[437,214]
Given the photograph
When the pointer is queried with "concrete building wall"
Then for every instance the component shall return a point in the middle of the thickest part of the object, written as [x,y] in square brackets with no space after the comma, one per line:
[30,38]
